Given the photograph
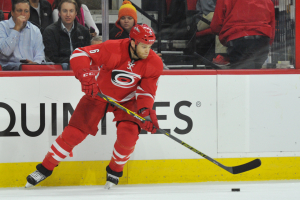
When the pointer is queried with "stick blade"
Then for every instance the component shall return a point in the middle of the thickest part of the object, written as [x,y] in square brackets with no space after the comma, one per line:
[246,167]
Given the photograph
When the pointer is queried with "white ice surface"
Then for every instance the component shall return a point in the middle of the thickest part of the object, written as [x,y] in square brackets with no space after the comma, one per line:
[267,190]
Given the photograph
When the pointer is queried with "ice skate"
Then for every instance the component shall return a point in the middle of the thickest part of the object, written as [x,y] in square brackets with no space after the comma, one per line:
[111,180]
[37,176]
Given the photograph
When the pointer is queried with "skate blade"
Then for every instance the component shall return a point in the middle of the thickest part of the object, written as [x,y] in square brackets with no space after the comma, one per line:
[28,185]
[108,185]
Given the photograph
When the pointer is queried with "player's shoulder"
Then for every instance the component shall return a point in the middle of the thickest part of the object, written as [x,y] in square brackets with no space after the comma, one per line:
[154,59]
[154,64]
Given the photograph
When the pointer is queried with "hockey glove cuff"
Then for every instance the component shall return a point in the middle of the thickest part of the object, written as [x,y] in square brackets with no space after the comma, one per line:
[151,123]
[88,82]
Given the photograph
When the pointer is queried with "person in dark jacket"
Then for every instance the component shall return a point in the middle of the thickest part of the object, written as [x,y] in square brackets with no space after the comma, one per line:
[127,18]
[64,36]
[247,28]
[40,13]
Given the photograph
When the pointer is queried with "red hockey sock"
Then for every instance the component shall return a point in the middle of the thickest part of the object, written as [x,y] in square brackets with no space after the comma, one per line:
[120,157]
[127,135]
[63,146]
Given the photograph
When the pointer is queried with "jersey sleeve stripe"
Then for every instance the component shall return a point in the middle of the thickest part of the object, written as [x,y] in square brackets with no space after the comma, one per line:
[145,94]
[140,91]
[79,54]
[139,88]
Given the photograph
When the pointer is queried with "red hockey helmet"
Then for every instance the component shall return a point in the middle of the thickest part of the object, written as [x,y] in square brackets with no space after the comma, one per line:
[142,33]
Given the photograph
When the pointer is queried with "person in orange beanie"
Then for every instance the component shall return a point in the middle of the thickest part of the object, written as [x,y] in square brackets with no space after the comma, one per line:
[127,18]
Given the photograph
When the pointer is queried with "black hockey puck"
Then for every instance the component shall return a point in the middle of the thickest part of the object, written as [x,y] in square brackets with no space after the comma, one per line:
[235,189]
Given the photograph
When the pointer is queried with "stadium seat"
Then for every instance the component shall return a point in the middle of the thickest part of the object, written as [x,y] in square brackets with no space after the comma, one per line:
[5,5]
[6,13]
[40,67]
[51,2]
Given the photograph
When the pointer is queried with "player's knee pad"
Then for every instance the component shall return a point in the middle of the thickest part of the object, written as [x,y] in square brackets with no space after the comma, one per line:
[73,136]
[127,134]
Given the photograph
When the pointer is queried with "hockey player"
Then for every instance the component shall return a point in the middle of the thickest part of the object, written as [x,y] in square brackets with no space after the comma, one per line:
[129,75]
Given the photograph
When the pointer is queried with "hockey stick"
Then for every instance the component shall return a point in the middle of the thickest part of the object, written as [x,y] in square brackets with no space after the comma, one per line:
[233,170]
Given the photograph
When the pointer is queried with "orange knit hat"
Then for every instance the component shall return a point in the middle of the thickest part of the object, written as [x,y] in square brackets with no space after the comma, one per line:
[127,9]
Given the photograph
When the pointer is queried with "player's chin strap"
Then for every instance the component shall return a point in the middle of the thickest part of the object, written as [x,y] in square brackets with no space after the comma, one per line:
[233,170]
[134,51]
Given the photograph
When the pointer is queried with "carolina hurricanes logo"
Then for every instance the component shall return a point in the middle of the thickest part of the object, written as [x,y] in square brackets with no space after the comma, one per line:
[124,79]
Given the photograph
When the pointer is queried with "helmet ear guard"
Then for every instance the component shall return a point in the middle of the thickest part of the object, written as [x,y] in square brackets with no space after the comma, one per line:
[142,33]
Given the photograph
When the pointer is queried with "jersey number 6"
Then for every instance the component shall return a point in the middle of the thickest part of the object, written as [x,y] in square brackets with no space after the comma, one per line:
[94,51]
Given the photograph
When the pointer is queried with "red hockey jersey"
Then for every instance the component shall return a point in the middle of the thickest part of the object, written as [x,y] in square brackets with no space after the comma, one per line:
[121,78]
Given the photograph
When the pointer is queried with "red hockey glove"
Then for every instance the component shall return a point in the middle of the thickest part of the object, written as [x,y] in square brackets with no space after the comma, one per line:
[88,82]
[151,125]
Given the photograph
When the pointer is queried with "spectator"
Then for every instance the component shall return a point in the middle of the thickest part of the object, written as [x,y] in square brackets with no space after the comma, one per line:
[206,9]
[96,40]
[65,35]
[246,27]
[127,18]
[40,13]
[20,40]
[84,16]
